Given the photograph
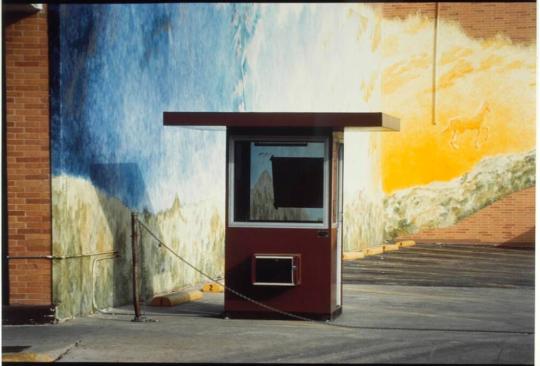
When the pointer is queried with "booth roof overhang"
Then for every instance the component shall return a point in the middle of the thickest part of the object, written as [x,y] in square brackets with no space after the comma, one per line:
[370,121]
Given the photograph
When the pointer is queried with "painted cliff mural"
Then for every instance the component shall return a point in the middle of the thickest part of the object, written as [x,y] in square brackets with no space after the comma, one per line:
[117,67]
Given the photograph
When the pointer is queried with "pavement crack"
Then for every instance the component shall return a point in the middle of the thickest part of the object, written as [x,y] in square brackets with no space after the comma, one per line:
[76,344]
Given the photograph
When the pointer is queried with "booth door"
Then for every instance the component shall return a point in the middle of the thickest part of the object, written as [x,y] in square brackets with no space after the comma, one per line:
[278,237]
[339,250]
[337,216]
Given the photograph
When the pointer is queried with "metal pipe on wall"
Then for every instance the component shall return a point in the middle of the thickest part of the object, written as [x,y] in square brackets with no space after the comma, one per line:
[58,257]
[434,76]
[94,306]
[135,255]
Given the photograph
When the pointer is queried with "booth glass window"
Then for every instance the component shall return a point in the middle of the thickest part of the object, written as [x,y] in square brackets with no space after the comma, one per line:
[279,181]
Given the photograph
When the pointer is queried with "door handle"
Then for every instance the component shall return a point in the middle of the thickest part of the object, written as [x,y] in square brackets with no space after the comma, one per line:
[323,233]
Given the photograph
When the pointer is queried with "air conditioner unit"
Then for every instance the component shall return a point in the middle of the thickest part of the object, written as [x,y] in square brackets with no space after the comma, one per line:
[275,270]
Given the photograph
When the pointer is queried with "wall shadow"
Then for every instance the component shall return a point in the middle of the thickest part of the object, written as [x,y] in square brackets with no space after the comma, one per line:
[124,182]
[93,218]
[525,240]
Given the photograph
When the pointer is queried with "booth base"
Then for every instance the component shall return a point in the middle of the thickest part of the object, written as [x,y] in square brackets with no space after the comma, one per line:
[28,314]
[278,316]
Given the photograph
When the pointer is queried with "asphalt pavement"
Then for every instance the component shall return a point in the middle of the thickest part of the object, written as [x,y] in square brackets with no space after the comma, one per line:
[397,316]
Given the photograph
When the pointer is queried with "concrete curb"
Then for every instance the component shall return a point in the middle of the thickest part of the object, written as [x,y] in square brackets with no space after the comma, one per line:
[176,298]
[406,243]
[212,287]
[44,354]
[27,357]
[390,247]
[350,256]
[374,251]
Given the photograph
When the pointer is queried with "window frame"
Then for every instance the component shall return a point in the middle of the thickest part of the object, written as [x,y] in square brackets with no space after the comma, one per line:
[267,224]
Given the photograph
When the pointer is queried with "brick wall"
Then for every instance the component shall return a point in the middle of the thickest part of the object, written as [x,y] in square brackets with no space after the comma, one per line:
[479,20]
[403,10]
[28,156]
[509,221]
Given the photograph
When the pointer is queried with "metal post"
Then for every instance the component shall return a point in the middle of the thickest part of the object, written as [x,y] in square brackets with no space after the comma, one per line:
[135,253]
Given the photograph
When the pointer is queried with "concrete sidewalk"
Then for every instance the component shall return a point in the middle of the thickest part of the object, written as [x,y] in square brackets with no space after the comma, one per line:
[397,324]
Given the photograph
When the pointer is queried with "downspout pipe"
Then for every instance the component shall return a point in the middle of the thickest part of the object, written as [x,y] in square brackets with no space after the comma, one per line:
[59,257]
[434,76]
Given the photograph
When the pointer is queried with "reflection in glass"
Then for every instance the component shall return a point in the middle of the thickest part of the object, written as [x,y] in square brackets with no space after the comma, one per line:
[279,181]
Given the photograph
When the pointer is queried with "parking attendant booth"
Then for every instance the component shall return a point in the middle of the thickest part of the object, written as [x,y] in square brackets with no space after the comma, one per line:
[284,197]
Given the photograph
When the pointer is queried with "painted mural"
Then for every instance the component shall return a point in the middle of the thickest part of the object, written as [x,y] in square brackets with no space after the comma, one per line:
[469,137]
[118,67]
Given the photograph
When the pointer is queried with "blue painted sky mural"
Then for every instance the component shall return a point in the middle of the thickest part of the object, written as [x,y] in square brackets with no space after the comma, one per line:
[121,65]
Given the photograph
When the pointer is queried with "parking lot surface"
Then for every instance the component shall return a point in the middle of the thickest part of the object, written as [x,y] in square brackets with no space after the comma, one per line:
[424,304]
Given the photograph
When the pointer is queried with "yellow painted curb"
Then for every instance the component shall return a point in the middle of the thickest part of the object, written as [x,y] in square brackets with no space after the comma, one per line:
[27,357]
[406,243]
[212,287]
[374,251]
[350,256]
[390,247]
[176,298]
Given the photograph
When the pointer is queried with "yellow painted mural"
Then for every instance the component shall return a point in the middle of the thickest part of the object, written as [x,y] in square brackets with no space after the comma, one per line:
[484,100]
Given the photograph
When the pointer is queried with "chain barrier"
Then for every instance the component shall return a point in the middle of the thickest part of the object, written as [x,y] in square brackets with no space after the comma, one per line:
[299,317]
[245,297]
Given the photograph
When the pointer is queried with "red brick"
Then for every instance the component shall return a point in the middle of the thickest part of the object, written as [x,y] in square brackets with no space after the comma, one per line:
[517,21]
[492,224]
[28,176]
